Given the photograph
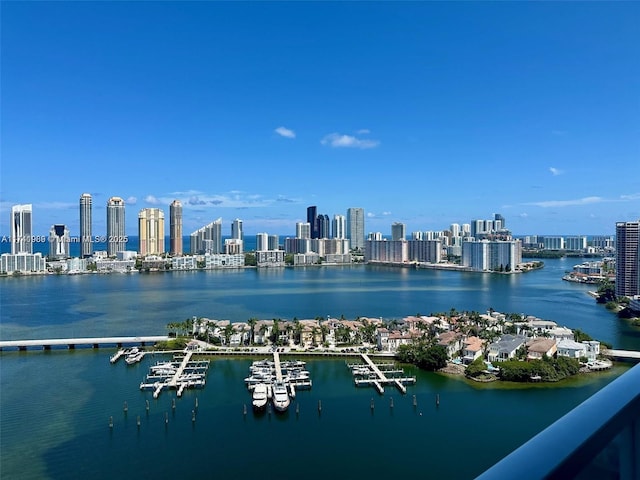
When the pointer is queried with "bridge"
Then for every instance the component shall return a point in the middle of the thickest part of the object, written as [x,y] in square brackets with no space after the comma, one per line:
[621,354]
[72,343]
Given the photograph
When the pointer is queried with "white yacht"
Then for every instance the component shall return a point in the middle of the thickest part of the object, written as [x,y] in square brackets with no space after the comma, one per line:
[260,396]
[280,396]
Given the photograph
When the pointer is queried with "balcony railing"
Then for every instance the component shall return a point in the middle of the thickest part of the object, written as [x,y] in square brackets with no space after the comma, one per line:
[600,438]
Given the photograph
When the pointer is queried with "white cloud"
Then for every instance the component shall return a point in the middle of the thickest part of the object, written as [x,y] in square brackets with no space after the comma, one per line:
[555,171]
[131,201]
[632,196]
[523,215]
[285,132]
[371,214]
[151,199]
[337,140]
[568,203]
[386,214]
[363,131]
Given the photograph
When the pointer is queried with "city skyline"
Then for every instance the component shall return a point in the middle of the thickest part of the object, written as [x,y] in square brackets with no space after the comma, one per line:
[423,113]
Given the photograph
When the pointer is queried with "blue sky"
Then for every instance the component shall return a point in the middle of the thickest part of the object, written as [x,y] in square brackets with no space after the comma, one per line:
[426,113]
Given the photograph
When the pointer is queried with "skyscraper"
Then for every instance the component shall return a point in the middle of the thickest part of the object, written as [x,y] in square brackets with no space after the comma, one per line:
[312,220]
[86,242]
[116,237]
[59,242]
[151,231]
[175,228]
[236,230]
[323,226]
[207,239]
[355,227]
[627,259]
[339,227]
[21,229]
[398,231]
[303,230]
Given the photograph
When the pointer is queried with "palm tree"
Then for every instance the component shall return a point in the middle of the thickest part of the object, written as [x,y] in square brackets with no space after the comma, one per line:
[275,333]
[252,324]
[228,331]
[297,331]
[314,332]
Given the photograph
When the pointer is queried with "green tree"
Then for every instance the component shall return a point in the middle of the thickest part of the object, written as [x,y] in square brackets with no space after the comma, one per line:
[227,332]
[252,325]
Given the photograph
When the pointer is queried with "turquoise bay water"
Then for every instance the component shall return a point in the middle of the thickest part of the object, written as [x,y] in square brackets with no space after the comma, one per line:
[55,405]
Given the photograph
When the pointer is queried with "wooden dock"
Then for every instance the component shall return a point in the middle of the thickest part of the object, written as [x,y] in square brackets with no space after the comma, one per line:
[277,366]
[188,374]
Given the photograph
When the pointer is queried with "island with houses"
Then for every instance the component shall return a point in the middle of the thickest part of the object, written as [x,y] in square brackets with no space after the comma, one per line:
[480,346]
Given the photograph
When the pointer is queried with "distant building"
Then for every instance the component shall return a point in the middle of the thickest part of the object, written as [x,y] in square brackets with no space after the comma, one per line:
[428,251]
[262,242]
[116,236]
[398,231]
[59,242]
[175,228]
[86,239]
[151,231]
[312,220]
[628,259]
[270,258]
[207,239]
[23,263]
[355,227]
[387,251]
[578,243]
[339,227]
[303,230]
[324,226]
[21,229]
[236,230]
[492,255]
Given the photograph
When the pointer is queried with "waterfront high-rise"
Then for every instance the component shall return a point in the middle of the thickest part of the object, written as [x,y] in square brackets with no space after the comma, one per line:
[262,242]
[398,231]
[355,227]
[303,230]
[21,229]
[151,231]
[59,242]
[312,220]
[175,228]
[339,227]
[324,226]
[116,237]
[86,240]
[627,259]
[236,230]
[207,239]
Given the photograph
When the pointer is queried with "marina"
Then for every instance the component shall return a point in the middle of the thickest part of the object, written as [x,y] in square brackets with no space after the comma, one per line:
[277,381]
[379,374]
[179,374]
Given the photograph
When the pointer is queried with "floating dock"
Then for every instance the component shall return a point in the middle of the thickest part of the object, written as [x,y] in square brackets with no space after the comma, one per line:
[177,375]
[376,375]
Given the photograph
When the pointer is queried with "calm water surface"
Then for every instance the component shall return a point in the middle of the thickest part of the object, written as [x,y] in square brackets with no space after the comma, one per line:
[55,405]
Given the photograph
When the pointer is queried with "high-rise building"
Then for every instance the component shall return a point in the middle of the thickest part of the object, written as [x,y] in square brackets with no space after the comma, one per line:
[236,230]
[175,228]
[274,242]
[312,220]
[398,231]
[21,229]
[355,227]
[627,259]
[339,227]
[262,242]
[116,236]
[207,239]
[86,240]
[303,230]
[151,231]
[59,242]
[324,226]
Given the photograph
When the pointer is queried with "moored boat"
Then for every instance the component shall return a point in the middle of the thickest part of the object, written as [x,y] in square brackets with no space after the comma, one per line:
[260,397]
[280,396]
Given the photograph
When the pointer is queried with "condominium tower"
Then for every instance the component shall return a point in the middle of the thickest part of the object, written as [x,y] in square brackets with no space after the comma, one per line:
[175,228]
[398,231]
[627,259]
[86,242]
[355,227]
[21,229]
[59,242]
[151,231]
[116,237]
[207,239]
